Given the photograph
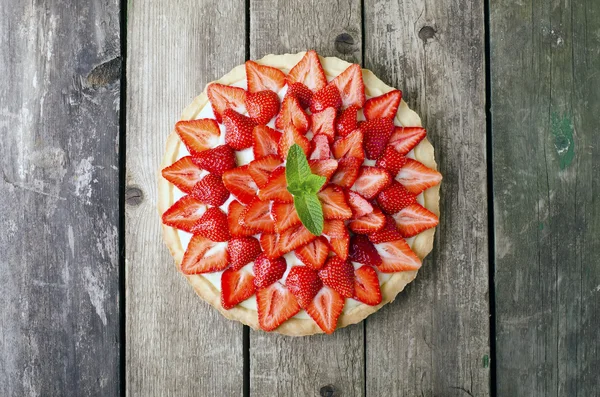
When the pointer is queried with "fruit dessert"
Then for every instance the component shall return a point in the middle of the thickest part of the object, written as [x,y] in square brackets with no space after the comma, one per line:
[299,194]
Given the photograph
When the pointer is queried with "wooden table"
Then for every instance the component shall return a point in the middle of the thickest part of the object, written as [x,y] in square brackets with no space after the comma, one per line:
[507,304]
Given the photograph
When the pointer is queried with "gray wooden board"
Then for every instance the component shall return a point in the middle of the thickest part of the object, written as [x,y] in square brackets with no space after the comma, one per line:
[59,276]
[434,339]
[316,365]
[546,147]
[177,345]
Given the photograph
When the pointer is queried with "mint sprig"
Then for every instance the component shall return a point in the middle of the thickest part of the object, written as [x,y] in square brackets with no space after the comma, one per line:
[304,186]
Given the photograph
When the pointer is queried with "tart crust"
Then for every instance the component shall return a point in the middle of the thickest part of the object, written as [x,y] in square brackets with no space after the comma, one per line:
[422,244]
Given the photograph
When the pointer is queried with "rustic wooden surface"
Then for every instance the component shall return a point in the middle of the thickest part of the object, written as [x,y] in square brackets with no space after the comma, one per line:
[545,68]
[59,275]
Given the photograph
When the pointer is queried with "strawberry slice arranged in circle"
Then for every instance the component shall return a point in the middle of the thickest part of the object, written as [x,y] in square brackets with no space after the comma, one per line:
[363,251]
[326,97]
[238,129]
[236,287]
[396,256]
[211,190]
[339,275]
[415,219]
[261,169]
[268,270]
[234,214]
[304,283]
[216,160]
[301,92]
[308,72]
[183,173]
[198,135]
[212,225]
[334,203]
[416,177]
[265,141]
[195,260]
[223,97]
[383,106]
[371,181]
[240,183]
[184,213]
[242,250]
[263,77]
[285,216]
[262,106]
[275,305]
[351,87]
[292,114]
[323,123]
[257,216]
[366,286]
[314,254]
[404,139]
[325,309]
[377,133]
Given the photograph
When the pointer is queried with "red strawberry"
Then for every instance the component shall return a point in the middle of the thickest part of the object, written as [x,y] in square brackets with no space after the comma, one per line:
[275,305]
[324,168]
[363,251]
[320,148]
[349,146]
[261,169]
[368,224]
[216,160]
[285,216]
[211,190]
[340,246]
[276,188]
[324,123]
[338,237]
[262,106]
[347,172]
[404,139]
[234,214]
[308,72]
[194,260]
[371,181]
[212,225]
[183,173]
[293,238]
[339,275]
[290,136]
[238,129]
[396,256]
[328,96]
[268,243]
[301,93]
[415,219]
[334,203]
[304,283]
[416,177]
[267,271]
[389,232]
[265,141]
[240,183]
[391,160]
[257,216]
[314,253]
[346,122]
[383,106]
[242,250]
[351,86]
[377,133]
[236,287]
[358,205]
[366,286]
[292,114]
[198,135]
[394,198]
[263,77]
[184,213]
[224,97]
[325,309]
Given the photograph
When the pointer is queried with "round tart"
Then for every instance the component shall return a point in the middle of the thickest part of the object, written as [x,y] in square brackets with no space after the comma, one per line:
[299,194]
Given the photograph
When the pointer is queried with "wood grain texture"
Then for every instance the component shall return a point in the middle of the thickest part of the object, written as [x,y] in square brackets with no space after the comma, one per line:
[59,111]
[177,345]
[318,365]
[546,111]
[434,339]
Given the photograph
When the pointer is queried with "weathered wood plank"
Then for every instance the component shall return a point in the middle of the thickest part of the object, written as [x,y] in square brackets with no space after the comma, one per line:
[434,339]
[317,365]
[59,106]
[546,111]
[176,344]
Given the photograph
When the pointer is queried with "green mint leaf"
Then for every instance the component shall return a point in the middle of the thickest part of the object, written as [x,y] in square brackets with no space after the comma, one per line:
[313,183]
[296,166]
[296,188]
[310,212]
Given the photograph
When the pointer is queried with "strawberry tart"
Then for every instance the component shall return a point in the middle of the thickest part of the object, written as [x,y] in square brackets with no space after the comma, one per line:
[299,194]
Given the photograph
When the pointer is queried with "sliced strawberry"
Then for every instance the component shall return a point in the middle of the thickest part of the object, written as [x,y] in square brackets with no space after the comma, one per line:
[304,283]
[242,250]
[326,97]
[377,133]
[267,270]
[347,172]
[308,72]
[404,139]
[389,232]
[234,214]
[276,188]
[240,183]
[338,237]
[369,223]
[346,122]
[394,198]
[263,77]
[223,97]
[371,181]
[325,309]
[339,275]
[184,213]
[333,201]
[302,93]
[261,169]
[216,160]
[211,190]
[363,251]
[275,305]
[285,216]
[391,160]
[238,129]
[293,238]
[396,256]
[257,216]
[198,135]
[262,106]
[314,253]
[416,177]
[268,243]
[324,168]
[415,219]
[324,123]
[358,204]
[290,136]
[265,141]
[319,148]
[340,246]
[183,173]
[383,106]
[236,287]
[212,225]
[194,260]
[366,286]
[292,114]
[349,146]
[351,86]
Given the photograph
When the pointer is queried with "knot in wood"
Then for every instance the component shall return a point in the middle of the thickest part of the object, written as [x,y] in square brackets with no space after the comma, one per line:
[106,73]
[426,33]
[345,44]
[134,196]
[328,391]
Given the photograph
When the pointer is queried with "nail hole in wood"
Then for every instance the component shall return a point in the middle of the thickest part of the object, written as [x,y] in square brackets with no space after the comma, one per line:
[134,196]
[345,43]
[328,391]
[106,73]
[426,33]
